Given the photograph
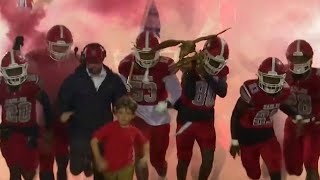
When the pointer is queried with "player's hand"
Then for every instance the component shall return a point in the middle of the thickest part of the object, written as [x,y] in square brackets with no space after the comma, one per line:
[161,107]
[186,48]
[234,151]
[183,64]
[101,164]
[66,116]
[143,162]
[200,67]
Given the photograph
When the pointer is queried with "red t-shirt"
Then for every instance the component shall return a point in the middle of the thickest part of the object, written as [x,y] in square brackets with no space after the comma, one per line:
[118,144]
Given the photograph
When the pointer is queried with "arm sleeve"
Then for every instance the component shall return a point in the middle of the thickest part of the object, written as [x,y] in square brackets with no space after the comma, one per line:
[188,82]
[65,96]
[43,98]
[239,109]
[124,80]
[288,110]
[120,89]
[173,87]
[218,85]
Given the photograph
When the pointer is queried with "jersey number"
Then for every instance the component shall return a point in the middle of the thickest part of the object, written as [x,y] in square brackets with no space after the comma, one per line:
[18,113]
[262,117]
[204,95]
[138,89]
[303,102]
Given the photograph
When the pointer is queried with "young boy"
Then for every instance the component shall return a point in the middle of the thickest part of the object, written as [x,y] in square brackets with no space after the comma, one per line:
[119,139]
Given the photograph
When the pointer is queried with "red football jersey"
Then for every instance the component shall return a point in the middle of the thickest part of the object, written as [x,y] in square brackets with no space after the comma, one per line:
[264,106]
[147,93]
[19,107]
[50,71]
[204,96]
[305,94]
[119,143]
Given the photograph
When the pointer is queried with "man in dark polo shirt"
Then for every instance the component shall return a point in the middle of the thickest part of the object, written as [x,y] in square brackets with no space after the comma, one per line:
[85,100]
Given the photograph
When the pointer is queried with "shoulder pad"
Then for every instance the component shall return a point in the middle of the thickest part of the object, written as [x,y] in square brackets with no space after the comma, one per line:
[126,60]
[244,94]
[249,89]
[125,65]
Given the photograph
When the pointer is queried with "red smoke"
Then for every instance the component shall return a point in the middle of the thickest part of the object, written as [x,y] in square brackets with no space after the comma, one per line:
[22,21]
[259,29]
[127,12]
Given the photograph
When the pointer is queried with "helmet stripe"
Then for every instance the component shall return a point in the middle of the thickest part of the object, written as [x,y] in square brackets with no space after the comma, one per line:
[12,56]
[147,39]
[273,64]
[298,46]
[61,31]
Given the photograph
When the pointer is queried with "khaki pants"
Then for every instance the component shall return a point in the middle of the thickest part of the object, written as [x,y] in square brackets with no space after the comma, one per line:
[122,174]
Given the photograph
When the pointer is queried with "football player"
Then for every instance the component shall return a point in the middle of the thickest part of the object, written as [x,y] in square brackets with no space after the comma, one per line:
[302,148]
[154,88]
[251,122]
[200,85]
[53,64]
[20,93]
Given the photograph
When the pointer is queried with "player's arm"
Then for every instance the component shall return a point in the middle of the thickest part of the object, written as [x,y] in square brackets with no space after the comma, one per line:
[167,43]
[243,104]
[123,76]
[173,88]
[287,108]
[240,108]
[65,99]
[44,100]
[238,111]
[188,83]
[218,85]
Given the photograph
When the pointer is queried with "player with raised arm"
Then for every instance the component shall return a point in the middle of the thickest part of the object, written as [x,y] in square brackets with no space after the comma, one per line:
[201,82]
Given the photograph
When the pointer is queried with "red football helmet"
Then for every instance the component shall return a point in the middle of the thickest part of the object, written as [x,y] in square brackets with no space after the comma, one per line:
[59,40]
[14,68]
[299,55]
[271,74]
[145,42]
[216,54]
